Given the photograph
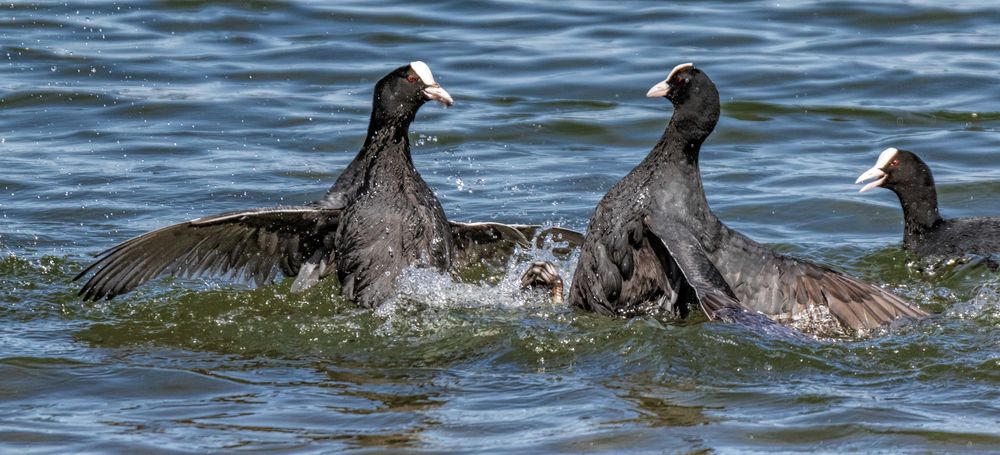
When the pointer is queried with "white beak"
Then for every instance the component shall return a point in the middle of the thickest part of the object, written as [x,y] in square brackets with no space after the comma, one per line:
[435,92]
[876,172]
[873,173]
[659,90]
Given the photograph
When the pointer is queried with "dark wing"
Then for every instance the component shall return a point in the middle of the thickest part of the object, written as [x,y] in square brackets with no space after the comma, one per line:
[491,244]
[251,245]
[802,293]
[714,295]
[711,289]
[854,303]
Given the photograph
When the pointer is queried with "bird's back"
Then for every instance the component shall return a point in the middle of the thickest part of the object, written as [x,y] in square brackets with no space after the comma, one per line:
[958,236]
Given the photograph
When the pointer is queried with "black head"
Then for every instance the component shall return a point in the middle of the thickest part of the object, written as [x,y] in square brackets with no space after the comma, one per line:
[695,100]
[685,84]
[897,169]
[400,93]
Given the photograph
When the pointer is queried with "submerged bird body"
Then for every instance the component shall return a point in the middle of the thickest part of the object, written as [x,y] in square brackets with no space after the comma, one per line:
[925,232]
[653,244]
[378,218]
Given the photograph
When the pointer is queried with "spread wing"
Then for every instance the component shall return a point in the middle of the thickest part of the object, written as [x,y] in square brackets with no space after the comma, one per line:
[714,295]
[251,245]
[854,303]
[803,293]
[491,244]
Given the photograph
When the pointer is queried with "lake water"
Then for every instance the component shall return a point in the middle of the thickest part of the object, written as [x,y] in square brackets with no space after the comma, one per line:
[121,117]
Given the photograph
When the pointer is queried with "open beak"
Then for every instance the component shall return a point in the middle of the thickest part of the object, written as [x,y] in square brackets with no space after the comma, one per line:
[873,173]
[659,90]
[435,92]
[876,172]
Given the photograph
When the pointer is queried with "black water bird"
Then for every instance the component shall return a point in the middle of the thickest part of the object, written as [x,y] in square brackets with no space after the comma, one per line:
[925,232]
[378,218]
[654,246]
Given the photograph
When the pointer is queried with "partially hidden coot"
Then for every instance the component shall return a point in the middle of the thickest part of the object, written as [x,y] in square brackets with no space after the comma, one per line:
[654,246]
[925,232]
[378,218]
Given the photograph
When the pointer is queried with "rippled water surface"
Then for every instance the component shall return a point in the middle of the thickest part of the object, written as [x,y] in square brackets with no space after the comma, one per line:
[121,117]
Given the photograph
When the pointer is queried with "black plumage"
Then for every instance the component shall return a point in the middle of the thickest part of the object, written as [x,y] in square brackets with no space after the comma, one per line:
[925,232]
[253,245]
[392,219]
[653,244]
[378,218]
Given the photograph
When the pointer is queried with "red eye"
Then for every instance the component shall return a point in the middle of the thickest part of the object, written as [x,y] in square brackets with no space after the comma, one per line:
[411,78]
[894,163]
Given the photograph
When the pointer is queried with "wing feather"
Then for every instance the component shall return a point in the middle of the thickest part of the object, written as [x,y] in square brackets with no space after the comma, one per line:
[812,290]
[250,245]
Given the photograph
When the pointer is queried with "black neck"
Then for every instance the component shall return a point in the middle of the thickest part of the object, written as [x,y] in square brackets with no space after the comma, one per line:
[389,119]
[920,209]
[681,141]
[388,130]
[386,123]
[387,154]
[675,157]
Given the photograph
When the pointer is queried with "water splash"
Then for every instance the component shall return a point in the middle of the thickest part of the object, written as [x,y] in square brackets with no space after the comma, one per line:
[983,307]
[432,290]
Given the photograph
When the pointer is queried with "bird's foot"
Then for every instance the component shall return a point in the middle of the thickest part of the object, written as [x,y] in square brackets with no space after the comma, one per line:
[543,275]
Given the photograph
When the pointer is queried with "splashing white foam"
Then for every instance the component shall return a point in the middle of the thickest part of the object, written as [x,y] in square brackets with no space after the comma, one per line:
[984,304]
[436,290]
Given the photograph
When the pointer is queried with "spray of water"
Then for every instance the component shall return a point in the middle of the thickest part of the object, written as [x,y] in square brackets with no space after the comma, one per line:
[431,289]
